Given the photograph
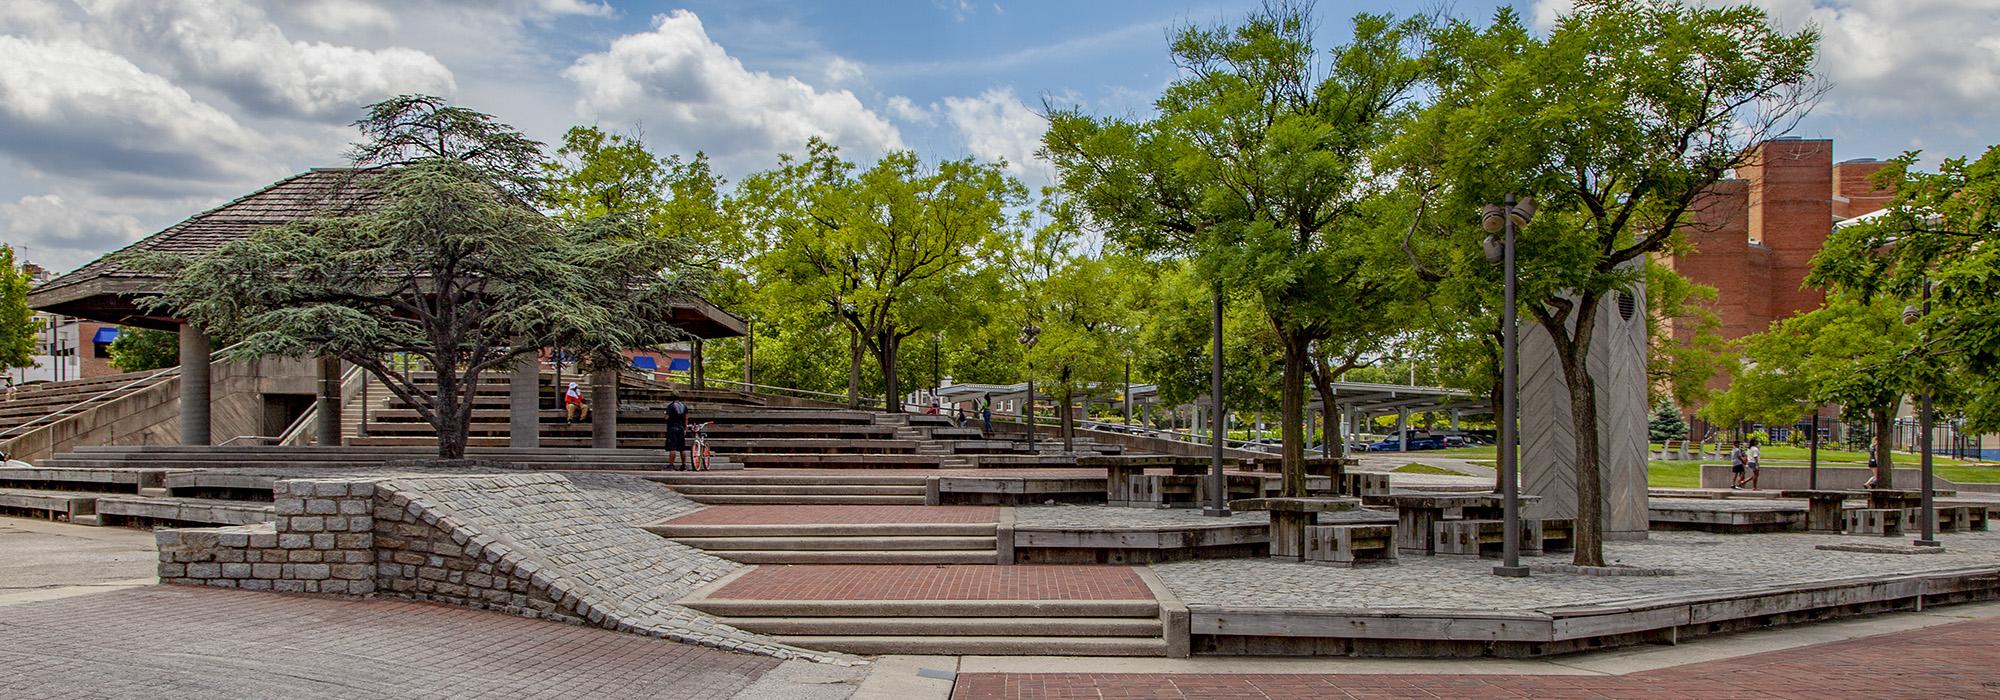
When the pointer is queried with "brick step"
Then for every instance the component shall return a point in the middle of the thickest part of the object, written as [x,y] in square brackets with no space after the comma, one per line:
[794,500]
[710,489]
[990,646]
[738,607]
[779,556]
[860,461]
[899,543]
[948,627]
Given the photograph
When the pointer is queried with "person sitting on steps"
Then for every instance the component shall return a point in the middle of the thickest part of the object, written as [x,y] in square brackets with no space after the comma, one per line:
[575,408]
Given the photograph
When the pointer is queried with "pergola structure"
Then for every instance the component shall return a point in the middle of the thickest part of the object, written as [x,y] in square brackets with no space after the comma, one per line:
[109,289]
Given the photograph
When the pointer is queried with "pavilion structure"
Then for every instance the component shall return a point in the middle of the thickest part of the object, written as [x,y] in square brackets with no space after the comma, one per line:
[110,288]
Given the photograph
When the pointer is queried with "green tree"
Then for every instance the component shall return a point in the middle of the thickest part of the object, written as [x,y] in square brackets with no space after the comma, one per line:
[1071,298]
[18,325]
[889,252]
[1666,424]
[449,266]
[1942,229]
[1616,122]
[1258,166]
[142,349]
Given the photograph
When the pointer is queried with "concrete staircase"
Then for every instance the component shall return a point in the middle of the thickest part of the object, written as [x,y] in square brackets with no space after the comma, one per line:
[870,543]
[954,627]
[786,489]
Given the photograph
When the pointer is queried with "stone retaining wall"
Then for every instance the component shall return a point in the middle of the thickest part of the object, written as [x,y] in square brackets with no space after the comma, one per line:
[536,545]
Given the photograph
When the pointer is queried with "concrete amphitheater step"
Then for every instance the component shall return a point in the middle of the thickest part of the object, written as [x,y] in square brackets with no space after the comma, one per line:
[780,556]
[676,479]
[949,627]
[903,542]
[1010,646]
[750,607]
[749,489]
[671,530]
[797,500]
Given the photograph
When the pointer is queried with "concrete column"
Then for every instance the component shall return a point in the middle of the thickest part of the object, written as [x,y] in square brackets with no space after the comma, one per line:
[524,403]
[1403,428]
[194,386]
[604,408]
[327,430]
[1454,420]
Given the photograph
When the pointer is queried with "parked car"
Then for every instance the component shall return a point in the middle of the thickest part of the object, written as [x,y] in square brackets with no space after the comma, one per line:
[1417,442]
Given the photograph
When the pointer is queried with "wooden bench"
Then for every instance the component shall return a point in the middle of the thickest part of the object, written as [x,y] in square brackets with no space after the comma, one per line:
[1824,507]
[1363,485]
[1350,544]
[1469,537]
[77,508]
[1949,518]
[1291,516]
[1886,522]
[1417,513]
[1548,535]
[1181,490]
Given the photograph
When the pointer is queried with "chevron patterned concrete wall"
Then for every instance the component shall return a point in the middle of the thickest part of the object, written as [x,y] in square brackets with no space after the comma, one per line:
[1548,443]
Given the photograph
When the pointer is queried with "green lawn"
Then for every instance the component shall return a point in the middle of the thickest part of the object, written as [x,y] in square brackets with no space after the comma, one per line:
[1414,468]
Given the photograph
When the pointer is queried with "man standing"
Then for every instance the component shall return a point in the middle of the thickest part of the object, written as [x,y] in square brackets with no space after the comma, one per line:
[1737,459]
[677,423]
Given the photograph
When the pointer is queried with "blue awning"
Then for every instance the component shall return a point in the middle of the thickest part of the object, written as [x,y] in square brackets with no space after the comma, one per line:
[644,362]
[678,364]
[105,335]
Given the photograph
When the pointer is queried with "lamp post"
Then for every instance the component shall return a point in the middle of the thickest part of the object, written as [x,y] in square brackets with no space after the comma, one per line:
[1504,218]
[1218,501]
[1925,424]
[1128,387]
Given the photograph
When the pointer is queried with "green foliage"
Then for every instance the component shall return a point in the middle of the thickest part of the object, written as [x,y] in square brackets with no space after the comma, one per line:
[1942,228]
[1666,424]
[143,349]
[448,267]
[1075,309]
[1845,353]
[1257,168]
[890,252]
[18,326]
[1677,368]
[1616,123]
[597,174]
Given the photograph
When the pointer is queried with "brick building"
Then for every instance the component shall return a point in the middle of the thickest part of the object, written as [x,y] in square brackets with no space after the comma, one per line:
[1753,237]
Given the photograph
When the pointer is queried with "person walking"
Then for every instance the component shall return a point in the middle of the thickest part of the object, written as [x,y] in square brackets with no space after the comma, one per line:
[575,408]
[1738,459]
[1751,459]
[986,414]
[678,456]
[1874,472]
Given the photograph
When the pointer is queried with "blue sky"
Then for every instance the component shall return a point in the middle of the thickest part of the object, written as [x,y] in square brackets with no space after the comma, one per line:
[121,117]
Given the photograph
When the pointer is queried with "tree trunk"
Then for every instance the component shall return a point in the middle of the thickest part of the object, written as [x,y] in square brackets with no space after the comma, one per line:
[1589,479]
[892,397]
[853,368]
[1884,453]
[449,416]
[1068,425]
[1292,406]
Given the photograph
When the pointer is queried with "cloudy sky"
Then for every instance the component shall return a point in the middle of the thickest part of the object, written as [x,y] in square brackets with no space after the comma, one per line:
[121,117]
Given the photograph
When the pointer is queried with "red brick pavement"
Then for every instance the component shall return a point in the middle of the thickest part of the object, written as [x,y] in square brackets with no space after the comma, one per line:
[838,515]
[1953,661]
[164,643]
[936,582]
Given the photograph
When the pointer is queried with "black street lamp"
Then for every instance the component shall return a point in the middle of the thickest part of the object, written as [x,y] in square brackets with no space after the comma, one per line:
[1504,218]
[1218,501]
[1925,424]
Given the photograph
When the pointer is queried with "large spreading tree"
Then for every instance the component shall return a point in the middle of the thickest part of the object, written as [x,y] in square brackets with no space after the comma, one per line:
[890,252]
[1258,167]
[1616,123]
[441,258]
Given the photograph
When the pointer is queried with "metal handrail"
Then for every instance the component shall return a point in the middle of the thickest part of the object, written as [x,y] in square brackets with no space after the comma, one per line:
[148,381]
[308,417]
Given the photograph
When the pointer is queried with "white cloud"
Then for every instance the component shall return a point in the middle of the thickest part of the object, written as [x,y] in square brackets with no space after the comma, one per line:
[343,15]
[905,109]
[71,110]
[840,70]
[61,233]
[689,93]
[997,126]
[239,51]
[1887,58]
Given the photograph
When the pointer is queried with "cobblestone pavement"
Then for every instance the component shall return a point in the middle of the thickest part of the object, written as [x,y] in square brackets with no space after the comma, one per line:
[928,582]
[838,515]
[164,643]
[1702,562]
[1953,661]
